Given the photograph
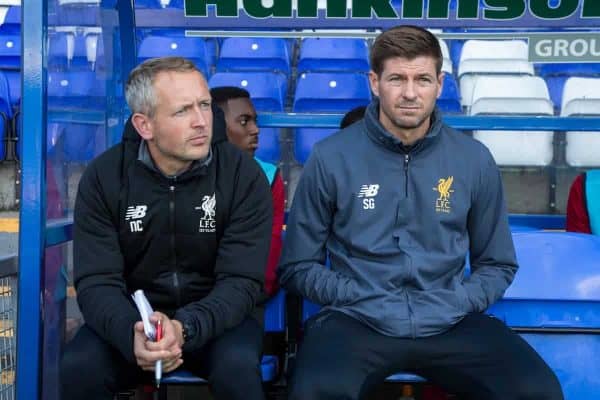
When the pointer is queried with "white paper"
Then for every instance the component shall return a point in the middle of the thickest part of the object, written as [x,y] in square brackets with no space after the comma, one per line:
[145,310]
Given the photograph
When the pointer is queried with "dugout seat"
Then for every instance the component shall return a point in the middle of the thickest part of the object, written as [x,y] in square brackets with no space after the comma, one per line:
[524,95]
[581,97]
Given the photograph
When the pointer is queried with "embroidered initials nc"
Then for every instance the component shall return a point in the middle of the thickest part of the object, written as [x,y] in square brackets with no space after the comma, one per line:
[134,215]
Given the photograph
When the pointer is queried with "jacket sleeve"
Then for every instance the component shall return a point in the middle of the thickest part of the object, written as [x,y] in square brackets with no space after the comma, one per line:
[277,192]
[241,260]
[577,215]
[492,253]
[302,267]
[98,268]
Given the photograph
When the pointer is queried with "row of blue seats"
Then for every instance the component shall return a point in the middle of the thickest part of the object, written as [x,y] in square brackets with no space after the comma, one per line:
[315,54]
[67,49]
[316,92]
[554,303]
[261,54]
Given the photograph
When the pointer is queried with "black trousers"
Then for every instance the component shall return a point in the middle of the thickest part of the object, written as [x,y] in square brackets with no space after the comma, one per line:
[92,369]
[480,358]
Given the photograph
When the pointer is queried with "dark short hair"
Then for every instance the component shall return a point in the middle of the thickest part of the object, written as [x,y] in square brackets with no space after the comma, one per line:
[222,94]
[408,42]
[357,113]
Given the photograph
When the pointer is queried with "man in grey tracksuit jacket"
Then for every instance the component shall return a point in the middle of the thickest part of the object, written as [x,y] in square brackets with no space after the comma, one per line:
[396,222]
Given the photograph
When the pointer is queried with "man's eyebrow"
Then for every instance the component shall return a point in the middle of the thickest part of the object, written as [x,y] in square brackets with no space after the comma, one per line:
[183,105]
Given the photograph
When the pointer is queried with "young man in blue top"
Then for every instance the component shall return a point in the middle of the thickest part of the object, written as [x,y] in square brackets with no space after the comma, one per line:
[396,201]
[242,131]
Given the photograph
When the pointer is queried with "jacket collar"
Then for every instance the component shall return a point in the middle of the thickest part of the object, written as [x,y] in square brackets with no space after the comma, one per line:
[139,149]
[381,136]
[145,158]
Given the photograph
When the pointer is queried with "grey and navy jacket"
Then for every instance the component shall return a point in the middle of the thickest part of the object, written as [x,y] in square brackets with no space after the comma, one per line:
[197,244]
[397,226]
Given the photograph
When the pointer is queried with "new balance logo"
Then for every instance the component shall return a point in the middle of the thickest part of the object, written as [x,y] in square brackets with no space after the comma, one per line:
[368,192]
[135,213]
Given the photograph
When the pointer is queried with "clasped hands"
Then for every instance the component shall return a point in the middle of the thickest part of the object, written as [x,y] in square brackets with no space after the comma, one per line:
[168,349]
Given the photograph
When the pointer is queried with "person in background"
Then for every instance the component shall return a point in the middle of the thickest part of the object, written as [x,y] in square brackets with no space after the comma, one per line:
[177,211]
[396,201]
[242,130]
[583,205]
[357,113]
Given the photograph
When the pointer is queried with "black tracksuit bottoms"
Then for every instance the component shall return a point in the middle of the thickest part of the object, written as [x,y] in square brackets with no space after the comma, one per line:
[479,358]
[92,369]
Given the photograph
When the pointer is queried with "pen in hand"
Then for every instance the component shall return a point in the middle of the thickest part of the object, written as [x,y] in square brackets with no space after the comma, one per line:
[158,365]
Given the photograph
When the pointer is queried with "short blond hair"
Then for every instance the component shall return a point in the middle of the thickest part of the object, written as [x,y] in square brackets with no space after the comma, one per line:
[139,90]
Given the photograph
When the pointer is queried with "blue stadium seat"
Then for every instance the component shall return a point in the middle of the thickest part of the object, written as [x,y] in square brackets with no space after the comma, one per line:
[212,48]
[158,4]
[54,131]
[556,74]
[85,12]
[254,54]
[5,101]
[305,140]
[274,322]
[75,89]
[83,142]
[192,48]
[68,51]
[268,145]
[55,135]
[6,114]
[12,21]
[569,69]
[86,51]
[211,44]
[554,301]
[456,46]
[556,85]
[267,89]
[10,61]
[523,228]
[449,101]
[333,54]
[180,4]
[60,47]
[74,142]
[148,4]
[14,86]
[331,92]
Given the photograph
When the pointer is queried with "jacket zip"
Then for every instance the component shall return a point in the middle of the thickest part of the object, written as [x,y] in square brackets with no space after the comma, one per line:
[413,328]
[406,160]
[411,321]
[172,240]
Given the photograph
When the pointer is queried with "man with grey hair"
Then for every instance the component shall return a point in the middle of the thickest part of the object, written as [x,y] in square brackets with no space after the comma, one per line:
[179,212]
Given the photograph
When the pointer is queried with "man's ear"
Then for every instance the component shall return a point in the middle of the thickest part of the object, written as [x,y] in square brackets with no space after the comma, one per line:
[374,82]
[440,80]
[143,125]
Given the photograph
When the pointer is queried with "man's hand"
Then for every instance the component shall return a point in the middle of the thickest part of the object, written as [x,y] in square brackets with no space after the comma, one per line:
[168,349]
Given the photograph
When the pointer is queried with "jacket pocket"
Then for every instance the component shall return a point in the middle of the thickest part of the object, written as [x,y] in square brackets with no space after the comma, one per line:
[463,298]
[436,310]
